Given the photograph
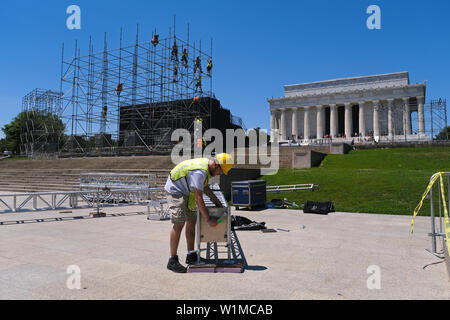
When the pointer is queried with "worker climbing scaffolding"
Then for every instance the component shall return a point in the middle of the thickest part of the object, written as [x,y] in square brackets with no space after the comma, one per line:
[198,84]
[198,65]
[201,142]
[209,66]
[119,89]
[175,73]
[174,55]
[184,58]
[155,40]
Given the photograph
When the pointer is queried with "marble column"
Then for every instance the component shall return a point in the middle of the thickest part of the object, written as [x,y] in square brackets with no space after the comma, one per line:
[390,118]
[273,124]
[420,114]
[348,120]
[406,116]
[295,123]
[306,127]
[376,123]
[320,122]
[283,124]
[362,120]
[333,121]
[272,119]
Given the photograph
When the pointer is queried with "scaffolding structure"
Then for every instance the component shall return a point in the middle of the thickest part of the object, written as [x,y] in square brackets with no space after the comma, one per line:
[42,100]
[167,77]
[42,130]
[435,117]
[436,113]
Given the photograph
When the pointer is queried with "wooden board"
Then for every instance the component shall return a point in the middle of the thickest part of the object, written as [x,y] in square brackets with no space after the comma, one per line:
[213,234]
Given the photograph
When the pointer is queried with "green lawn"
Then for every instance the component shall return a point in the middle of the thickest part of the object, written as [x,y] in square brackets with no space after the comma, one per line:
[14,158]
[388,181]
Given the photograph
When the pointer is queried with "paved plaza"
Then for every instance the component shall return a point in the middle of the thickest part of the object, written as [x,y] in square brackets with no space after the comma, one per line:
[124,256]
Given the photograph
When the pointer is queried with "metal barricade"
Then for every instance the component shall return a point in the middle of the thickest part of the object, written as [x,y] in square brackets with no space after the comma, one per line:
[13,202]
[437,216]
[115,181]
[440,225]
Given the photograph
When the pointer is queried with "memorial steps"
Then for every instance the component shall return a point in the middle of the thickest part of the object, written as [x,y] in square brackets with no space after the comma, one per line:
[63,174]
[57,180]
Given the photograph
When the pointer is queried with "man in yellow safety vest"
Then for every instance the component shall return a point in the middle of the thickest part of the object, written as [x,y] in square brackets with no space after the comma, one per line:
[185,187]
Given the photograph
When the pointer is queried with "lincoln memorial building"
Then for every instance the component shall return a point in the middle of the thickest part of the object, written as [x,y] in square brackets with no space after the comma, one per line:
[362,109]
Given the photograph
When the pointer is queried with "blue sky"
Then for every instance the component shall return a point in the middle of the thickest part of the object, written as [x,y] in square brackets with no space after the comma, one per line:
[259,46]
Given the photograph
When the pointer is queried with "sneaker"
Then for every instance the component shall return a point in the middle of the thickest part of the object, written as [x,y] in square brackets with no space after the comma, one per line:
[191,258]
[175,265]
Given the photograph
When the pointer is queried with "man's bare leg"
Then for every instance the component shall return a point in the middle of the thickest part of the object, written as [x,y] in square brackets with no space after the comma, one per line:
[175,234]
[190,235]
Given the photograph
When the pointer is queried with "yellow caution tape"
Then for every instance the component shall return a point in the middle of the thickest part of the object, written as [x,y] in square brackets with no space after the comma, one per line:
[427,190]
[434,178]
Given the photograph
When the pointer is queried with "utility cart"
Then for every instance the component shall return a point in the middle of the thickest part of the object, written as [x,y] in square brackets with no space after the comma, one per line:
[220,245]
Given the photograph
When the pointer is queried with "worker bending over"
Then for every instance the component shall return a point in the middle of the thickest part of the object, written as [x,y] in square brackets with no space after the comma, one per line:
[185,187]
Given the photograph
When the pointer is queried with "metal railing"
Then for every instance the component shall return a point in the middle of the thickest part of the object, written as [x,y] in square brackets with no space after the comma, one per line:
[117,180]
[14,202]
[437,220]
[293,188]
[440,225]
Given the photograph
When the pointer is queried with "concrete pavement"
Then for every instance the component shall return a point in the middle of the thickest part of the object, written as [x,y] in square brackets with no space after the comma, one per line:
[124,256]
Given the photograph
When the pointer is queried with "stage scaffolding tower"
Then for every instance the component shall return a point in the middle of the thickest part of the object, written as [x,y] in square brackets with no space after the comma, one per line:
[97,87]
[42,132]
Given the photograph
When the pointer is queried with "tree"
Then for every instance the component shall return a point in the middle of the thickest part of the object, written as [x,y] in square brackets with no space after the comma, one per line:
[2,145]
[34,131]
[444,134]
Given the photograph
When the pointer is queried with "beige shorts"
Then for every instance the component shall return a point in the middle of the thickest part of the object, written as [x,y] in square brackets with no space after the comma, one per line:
[178,209]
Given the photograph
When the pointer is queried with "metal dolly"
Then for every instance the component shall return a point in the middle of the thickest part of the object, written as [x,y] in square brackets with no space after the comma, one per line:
[219,240]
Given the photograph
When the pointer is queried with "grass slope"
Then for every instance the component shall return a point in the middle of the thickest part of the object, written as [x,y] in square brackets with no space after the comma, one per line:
[387,181]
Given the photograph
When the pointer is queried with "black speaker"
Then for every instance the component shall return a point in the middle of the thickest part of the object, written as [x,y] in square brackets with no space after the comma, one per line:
[318,207]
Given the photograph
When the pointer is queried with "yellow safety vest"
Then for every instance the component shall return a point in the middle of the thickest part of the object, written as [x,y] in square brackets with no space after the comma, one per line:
[182,169]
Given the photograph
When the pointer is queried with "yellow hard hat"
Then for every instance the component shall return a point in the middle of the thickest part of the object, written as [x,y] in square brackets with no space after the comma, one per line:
[225,161]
